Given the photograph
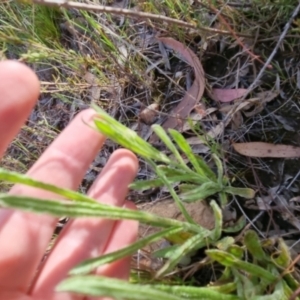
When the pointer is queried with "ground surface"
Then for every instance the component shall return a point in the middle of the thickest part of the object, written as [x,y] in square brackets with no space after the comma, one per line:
[116,62]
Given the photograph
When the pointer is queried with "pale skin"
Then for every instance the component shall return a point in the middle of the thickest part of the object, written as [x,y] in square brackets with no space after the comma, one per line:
[24,237]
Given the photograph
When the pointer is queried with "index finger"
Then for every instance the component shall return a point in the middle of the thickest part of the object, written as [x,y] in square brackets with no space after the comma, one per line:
[19,91]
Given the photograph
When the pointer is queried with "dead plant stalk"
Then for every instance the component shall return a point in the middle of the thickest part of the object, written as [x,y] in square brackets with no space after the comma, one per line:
[131,13]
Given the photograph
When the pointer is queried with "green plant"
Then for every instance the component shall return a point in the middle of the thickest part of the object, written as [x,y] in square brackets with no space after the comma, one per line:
[196,182]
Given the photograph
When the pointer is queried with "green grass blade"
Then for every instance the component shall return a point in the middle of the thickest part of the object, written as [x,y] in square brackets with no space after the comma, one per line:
[114,288]
[89,265]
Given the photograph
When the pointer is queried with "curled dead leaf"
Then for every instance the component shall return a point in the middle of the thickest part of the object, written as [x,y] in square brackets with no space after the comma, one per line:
[227,95]
[260,149]
[194,94]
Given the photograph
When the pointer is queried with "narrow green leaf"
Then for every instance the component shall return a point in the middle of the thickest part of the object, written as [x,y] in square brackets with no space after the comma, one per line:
[284,258]
[242,192]
[172,178]
[184,188]
[219,165]
[217,231]
[165,252]
[186,149]
[173,194]
[229,260]
[200,293]
[84,209]
[208,171]
[194,243]
[143,185]
[201,192]
[126,137]
[167,141]
[223,199]
[224,243]
[236,251]
[114,288]
[186,174]
[238,226]
[90,264]
[253,244]
[14,177]
[278,294]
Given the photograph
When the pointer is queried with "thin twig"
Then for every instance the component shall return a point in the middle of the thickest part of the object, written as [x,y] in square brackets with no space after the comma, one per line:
[130,13]
[233,33]
[255,83]
[280,40]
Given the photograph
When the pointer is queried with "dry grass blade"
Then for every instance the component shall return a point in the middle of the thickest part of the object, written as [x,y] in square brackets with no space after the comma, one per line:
[260,149]
[128,12]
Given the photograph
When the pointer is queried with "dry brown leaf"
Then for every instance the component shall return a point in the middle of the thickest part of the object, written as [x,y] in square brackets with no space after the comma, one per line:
[95,89]
[149,114]
[200,211]
[260,149]
[227,95]
[195,92]
[237,121]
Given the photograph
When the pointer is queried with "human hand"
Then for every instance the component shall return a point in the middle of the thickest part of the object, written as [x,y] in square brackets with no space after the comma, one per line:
[24,236]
